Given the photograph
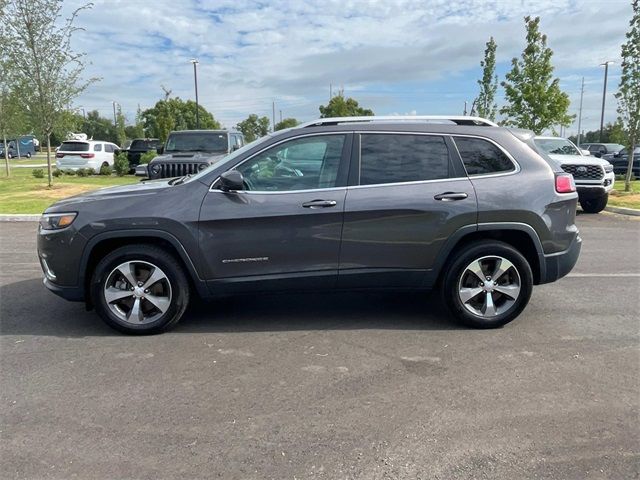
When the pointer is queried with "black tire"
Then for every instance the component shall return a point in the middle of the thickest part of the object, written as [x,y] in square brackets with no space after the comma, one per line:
[28,155]
[594,205]
[174,276]
[456,274]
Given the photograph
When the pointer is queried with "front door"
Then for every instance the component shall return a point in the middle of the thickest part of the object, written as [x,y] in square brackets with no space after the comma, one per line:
[285,225]
[409,197]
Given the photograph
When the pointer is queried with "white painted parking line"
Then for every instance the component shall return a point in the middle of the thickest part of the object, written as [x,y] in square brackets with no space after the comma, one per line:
[604,275]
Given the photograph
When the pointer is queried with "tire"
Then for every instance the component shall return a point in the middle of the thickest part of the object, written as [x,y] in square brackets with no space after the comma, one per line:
[594,205]
[169,290]
[469,299]
[28,155]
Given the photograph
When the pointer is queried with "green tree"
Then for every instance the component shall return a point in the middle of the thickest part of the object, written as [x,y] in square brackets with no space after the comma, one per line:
[534,99]
[611,133]
[99,128]
[286,123]
[628,94]
[253,127]
[13,119]
[37,44]
[175,114]
[485,102]
[136,130]
[339,106]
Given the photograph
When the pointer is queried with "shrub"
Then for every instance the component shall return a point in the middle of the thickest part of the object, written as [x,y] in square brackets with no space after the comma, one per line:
[105,170]
[70,172]
[57,173]
[148,156]
[81,172]
[37,172]
[91,171]
[121,164]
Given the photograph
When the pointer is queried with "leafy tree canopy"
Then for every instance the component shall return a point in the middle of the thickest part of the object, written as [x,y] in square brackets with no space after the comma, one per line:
[339,106]
[175,114]
[286,123]
[253,127]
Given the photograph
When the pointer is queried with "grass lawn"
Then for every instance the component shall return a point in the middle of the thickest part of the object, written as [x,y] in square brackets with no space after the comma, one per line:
[22,193]
[619,198]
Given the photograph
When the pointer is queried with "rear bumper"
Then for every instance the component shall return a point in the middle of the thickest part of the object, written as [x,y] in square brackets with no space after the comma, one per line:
[559,264]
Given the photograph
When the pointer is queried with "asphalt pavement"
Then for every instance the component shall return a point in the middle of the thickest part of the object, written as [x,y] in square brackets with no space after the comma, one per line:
[335,386]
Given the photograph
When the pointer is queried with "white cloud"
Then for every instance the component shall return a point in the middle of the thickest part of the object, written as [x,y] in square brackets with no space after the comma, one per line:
[289,51]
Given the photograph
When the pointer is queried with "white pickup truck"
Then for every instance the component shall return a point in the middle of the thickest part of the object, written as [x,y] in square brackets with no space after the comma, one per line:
[594,176]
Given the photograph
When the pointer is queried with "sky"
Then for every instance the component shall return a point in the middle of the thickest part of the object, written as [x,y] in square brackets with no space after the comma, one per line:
[393,56]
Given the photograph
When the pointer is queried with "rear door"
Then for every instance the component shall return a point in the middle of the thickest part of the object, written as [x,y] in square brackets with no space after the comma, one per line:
[408,197]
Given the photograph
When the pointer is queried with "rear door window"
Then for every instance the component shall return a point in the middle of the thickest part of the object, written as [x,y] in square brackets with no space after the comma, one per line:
[397,158]
[481,157]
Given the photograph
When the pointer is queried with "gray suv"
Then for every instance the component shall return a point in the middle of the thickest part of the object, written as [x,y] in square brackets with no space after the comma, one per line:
[412,203]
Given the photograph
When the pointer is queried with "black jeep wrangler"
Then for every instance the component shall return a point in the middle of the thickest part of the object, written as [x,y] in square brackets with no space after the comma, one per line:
[190,151]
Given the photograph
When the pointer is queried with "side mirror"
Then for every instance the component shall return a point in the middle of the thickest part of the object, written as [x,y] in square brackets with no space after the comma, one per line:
[231,180]
[585,152]
[617,155]
[160,149]
[235,147]
[142,171]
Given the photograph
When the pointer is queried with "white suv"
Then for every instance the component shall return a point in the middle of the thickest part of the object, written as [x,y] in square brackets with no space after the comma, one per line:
[593,176]
[75,154]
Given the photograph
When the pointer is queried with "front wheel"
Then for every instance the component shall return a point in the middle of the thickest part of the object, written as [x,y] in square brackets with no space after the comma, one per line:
[594,205]
[488,284]
[28,155]
[140,289]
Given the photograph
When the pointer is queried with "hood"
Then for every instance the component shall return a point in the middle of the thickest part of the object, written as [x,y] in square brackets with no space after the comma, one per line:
[190,157]
[148,187]
[578,159]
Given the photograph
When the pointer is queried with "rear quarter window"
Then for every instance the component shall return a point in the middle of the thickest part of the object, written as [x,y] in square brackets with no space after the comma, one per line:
[481,157]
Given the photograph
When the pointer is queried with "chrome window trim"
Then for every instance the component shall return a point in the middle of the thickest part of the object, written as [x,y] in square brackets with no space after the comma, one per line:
[413,182]
[502,149]
[211,188]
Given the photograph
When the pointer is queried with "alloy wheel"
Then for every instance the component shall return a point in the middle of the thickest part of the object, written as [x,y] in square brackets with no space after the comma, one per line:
[489,286]
[137,292]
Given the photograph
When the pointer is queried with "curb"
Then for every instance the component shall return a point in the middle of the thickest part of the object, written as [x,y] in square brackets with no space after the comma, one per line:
[27,217]
[623,211]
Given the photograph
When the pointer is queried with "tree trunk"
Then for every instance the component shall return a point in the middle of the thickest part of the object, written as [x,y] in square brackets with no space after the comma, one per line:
[49,159]
[6,154]
[627,179]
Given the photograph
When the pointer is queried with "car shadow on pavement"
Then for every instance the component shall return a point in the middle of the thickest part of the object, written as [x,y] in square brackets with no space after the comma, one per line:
[27,308]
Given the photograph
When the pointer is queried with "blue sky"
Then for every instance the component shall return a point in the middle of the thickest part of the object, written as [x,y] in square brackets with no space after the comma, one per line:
[394,56]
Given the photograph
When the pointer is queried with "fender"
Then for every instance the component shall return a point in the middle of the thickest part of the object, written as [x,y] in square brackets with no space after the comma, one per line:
[433,275]
[161,234]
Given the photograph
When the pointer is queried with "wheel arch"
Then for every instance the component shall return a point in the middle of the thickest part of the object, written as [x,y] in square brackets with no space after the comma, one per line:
[102,244]
[520,236]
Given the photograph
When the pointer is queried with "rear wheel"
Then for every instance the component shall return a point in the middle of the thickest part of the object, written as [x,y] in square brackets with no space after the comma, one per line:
[594,205]
[140,289]
[488,284]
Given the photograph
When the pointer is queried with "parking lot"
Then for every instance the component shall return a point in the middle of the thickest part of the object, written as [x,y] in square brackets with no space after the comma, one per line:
[349,385]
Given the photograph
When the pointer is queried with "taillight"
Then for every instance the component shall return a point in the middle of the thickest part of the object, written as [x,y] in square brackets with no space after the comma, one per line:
[565,183]
[87,155]
[59,155]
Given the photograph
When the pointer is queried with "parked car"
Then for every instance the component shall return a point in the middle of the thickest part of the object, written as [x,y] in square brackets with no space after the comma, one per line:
[601,149]
[189,151]
[620,162]
[338,203]
[593,176]
[75,154]
[139,146]
[23,146]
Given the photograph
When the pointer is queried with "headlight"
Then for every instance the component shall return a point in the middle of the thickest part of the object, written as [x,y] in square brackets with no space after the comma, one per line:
[56,221]
[155,169]
[608,168]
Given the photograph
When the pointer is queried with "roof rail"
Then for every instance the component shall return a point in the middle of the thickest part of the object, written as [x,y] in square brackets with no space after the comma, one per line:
[457,119]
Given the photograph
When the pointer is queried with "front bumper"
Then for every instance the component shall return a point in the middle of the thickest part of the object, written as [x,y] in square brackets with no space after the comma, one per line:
[595,190]
[559,264]
[73,294]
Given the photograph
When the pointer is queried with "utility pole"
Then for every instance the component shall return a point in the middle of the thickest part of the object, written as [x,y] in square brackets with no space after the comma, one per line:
[580,113]
[195,81]
[604,95]
[273,116]
[330,91]
[115,120]
[280,116]
[465,108]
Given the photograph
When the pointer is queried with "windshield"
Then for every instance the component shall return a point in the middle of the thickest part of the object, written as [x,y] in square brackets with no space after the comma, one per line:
[230,158]
[557,146]
[144,144]
[74,147]
[197,142]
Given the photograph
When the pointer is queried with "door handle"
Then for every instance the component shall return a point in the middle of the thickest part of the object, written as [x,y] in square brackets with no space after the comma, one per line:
[451,196]
[320,204]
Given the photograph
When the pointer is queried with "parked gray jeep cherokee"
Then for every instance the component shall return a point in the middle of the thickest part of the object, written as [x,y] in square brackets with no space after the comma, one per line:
[364,202]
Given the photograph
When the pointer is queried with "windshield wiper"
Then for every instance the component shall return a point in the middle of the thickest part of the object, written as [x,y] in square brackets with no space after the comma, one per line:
[179,180]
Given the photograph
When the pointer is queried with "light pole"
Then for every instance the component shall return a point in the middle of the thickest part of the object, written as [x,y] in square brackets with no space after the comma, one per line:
[115,119]
[604,94]
[580,114]
[195,81]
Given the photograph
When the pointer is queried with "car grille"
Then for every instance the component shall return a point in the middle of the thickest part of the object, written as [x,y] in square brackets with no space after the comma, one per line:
[585,172]
[168,170]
